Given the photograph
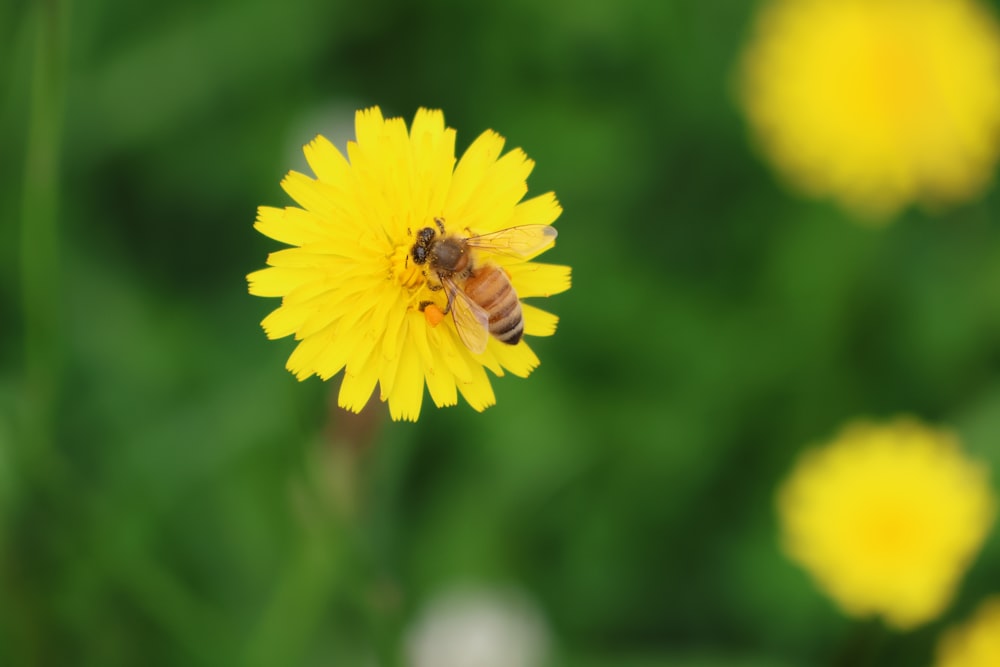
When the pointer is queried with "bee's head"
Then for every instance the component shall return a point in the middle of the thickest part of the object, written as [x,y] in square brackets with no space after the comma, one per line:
[421,249]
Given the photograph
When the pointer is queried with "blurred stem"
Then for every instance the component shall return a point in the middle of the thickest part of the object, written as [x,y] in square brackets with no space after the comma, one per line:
[39,249]
[352,440]
[333,567]
[863,646]
[298,602]
[185,617]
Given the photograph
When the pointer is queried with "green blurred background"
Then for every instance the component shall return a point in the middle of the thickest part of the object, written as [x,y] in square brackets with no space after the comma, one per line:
[170,495]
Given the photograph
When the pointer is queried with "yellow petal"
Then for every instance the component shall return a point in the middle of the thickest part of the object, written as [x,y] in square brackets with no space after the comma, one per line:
[344,340]
[471,169]
[408,387]
[284,321]
[294,226]
[518,359]
[491,206]
[440,381]
[308,194]
[488,359]
[279,281]
[368,125]
[398,178]
[333,356]
[392,348]
[319,314]
[302,361]
[444,341]
[360,378]
[342,211]
[326,161]
[538,322]
[427,121]
[534,279]
[434,160]
[541,210]
[477,391]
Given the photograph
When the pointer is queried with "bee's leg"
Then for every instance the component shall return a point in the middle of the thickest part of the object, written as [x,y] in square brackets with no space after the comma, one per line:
[424,304]
[437,287]
[440,223]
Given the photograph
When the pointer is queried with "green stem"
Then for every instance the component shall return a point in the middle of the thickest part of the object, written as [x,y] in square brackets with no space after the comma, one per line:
[301,596]
[333,565]
[180,612]
[39,243]
[38,263]
[864,645]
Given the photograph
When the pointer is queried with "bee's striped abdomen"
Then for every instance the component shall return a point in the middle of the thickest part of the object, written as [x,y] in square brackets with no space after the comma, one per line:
[491,289]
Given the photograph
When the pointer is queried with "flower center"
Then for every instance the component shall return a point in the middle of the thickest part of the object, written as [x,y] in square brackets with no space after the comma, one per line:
[411,277]
[889,533]
[405,271]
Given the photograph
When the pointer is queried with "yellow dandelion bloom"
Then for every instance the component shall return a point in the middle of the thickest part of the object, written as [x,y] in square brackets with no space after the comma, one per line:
[352,293]
[878,104]
[975,643]
[886,519]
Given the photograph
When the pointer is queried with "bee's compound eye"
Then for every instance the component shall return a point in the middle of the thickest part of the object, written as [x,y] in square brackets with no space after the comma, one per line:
[425,235]
[419,253]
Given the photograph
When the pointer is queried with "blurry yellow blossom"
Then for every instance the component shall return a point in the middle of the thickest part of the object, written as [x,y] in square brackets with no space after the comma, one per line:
[976,643]
[876,103]
[350,290]
[886,519]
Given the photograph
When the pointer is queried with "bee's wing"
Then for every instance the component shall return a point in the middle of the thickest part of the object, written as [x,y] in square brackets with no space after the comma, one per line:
[471,321]
[522,242]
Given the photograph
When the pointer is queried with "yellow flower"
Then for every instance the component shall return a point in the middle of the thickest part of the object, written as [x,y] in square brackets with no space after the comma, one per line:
[352,294]
[886,519]
[976,643]
[876,103]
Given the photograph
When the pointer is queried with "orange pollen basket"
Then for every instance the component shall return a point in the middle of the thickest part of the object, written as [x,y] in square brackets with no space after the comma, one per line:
[433,315]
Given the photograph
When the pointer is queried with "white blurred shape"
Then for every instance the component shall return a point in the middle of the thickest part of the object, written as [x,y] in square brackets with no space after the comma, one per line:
[334,120]
[475,627]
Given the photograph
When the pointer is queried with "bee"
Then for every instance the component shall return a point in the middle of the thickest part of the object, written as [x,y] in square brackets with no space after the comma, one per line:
[481,299]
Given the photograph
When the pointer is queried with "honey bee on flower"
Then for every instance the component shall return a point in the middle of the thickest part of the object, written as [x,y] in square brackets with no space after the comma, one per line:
[395,235]
[480,297]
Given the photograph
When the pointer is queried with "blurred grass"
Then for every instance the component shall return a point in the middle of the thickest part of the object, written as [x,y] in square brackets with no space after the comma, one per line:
[716,326]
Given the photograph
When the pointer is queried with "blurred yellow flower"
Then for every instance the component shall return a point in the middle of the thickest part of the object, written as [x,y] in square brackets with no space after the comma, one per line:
[976,643]
[886,519]
[876,103]
[351,291]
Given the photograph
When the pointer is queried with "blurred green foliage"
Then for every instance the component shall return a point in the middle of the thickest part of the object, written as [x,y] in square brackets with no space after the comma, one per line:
[169,493]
